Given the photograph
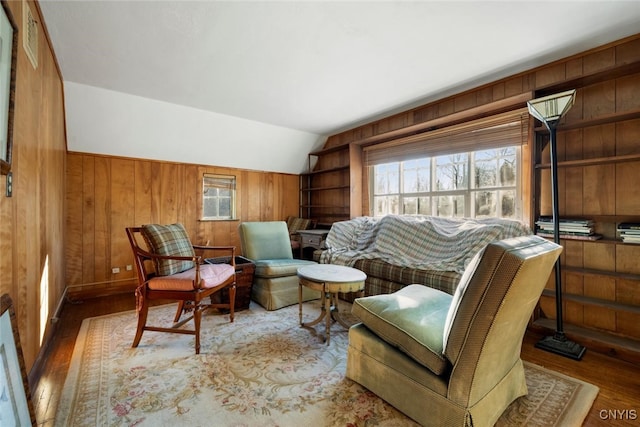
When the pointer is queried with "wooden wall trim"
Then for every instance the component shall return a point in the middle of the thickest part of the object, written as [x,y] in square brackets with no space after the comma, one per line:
[479,111]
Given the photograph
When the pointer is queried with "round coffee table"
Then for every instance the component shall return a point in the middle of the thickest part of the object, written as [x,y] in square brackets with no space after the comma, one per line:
[329,279]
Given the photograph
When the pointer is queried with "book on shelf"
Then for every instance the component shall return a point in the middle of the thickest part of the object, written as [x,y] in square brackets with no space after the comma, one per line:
[629,226]
[569,228]
[631,239]
[577,236]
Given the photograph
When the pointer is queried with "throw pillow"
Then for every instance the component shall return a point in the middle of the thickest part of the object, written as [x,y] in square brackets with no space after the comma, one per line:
[169,240]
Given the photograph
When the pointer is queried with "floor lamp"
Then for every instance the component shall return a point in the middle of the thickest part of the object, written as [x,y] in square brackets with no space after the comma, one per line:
[549,110]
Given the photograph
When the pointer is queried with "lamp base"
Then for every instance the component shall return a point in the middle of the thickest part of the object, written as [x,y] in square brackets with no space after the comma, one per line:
[559,344]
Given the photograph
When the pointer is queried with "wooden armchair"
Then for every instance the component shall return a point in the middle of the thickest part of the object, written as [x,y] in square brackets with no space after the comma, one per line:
[169,269]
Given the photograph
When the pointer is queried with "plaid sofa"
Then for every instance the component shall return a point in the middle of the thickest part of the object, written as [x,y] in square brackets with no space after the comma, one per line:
[397,250]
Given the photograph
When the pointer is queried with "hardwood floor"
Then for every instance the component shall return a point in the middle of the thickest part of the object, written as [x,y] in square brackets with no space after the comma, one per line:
[617,404]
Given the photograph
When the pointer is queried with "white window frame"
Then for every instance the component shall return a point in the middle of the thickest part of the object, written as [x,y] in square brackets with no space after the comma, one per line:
[432,194]
[218,194]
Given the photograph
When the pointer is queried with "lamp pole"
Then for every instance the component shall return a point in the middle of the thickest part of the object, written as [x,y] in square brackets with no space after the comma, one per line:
[551,125]
[558,343]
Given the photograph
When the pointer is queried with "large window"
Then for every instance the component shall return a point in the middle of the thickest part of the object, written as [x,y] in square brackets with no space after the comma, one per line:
[481,183]
[218,197]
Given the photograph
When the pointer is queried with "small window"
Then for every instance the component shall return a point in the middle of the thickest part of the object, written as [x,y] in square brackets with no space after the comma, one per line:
[218,197]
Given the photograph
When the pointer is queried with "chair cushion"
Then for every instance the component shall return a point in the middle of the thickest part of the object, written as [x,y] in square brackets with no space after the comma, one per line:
[171,240]
[279,267]
[411,319]
[211,275]
[457,296]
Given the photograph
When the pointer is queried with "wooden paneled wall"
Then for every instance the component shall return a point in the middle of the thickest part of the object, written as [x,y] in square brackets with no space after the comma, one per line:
[32,219]
[106,194]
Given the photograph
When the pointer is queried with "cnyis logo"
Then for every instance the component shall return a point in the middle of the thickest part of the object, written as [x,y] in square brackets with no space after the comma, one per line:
[618,414]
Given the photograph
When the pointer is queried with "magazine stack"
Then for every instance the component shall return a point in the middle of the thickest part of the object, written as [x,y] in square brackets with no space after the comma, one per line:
[576,229]
[629,232]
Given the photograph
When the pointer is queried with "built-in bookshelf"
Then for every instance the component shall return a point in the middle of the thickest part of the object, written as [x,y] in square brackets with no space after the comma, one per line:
[599,224]
[330,190]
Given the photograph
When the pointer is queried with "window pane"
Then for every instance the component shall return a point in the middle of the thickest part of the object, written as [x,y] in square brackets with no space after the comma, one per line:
[387,178]
[451,172]
[386,205]
[424,205]
[485,203]
[486,174]
[508,171]
[416,175]
[210,207]
[450,206]
[410,205]
[508,201]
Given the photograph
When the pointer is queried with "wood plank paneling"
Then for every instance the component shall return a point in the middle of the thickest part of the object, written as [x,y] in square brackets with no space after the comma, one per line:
[32,223]
[107,194]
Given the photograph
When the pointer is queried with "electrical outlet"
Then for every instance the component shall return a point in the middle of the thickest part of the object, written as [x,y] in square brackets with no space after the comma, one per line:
[129,267]
[115,270]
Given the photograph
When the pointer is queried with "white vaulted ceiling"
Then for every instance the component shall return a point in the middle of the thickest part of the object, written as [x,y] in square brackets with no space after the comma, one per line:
[180,80]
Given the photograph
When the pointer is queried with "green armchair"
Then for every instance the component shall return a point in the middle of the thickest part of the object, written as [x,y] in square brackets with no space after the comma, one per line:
[275,283]
[454,360]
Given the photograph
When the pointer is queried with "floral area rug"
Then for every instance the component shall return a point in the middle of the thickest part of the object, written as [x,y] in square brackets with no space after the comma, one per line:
[261,370]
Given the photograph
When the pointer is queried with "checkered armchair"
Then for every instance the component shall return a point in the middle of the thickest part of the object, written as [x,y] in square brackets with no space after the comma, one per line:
[295,224]
[448,360]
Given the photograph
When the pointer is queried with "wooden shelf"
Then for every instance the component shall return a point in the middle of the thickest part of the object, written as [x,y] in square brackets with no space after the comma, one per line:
[605,74]
[601,341]
[329,150]
[594,121]
[612,305]
[335,169]
[323,207]
[334,187]
[593,272]
[592,162]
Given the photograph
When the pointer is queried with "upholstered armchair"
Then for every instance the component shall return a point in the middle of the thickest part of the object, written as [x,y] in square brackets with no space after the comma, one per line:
[275,282]
[454,360]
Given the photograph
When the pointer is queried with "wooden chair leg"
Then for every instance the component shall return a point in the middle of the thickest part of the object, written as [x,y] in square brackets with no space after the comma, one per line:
[179,312]
[232,301]
[197,317]
[142,322]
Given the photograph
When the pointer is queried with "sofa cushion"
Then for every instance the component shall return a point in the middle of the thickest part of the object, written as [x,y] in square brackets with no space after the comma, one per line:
[279,267]
[411,319]
[445,281]
[169,240]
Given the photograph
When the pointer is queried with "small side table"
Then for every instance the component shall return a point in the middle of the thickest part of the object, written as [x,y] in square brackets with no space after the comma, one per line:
[245,269]
[311,239]
[329,279]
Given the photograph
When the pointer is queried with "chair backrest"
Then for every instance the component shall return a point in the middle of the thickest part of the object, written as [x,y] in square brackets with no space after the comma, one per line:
[141,255]
[265,240]
[491,319]
[295,224]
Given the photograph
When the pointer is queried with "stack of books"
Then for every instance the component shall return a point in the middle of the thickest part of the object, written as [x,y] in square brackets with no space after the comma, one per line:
[576,229]
[629,232]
